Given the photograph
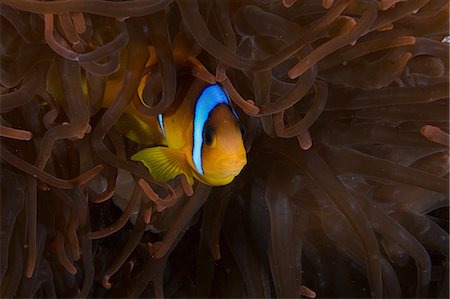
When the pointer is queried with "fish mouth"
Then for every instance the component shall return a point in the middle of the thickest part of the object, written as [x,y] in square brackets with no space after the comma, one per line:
[232,166]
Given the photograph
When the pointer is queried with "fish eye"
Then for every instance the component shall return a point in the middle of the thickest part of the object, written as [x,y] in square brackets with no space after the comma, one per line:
[208,135]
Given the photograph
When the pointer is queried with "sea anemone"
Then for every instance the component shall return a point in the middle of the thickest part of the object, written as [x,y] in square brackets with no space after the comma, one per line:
[345,105]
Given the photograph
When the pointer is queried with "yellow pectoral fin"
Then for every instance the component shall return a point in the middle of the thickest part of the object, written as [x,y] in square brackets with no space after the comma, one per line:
[164,163]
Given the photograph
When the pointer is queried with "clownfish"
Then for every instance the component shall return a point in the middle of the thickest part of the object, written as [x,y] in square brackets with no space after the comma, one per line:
[200,136]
